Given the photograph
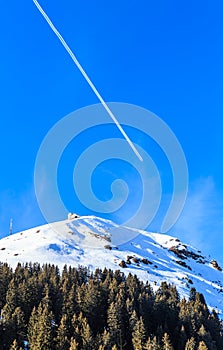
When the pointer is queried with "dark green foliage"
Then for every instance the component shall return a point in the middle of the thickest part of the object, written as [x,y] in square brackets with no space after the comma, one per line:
[182,339]
[41,327]
[15,346]
[202,346]
[62,340]
[190,344]
[80,310]
[139,335]
[166,342]
[5,277]
[152,344]
[73,344]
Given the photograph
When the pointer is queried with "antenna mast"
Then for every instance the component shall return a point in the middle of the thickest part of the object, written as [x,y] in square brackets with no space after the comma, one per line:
[10,228]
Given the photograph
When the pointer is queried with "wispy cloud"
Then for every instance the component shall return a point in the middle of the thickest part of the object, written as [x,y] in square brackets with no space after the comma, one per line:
[201,222]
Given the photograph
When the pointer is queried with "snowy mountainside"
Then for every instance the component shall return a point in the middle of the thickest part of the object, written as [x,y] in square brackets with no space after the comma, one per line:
[89,241]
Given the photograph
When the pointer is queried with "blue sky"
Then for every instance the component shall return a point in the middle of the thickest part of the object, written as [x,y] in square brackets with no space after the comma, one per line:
[165,56]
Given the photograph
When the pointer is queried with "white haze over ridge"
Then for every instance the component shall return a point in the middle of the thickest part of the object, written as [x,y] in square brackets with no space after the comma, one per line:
[201,221]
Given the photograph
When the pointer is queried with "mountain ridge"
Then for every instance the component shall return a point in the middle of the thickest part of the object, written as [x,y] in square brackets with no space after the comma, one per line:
[98,243]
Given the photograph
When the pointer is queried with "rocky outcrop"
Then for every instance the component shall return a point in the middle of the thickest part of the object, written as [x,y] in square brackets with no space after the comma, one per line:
[215,265]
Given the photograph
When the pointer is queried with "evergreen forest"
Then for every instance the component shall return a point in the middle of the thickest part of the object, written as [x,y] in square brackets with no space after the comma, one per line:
[43,308]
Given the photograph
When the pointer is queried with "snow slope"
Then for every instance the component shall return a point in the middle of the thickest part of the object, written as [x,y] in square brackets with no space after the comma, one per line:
[91,241]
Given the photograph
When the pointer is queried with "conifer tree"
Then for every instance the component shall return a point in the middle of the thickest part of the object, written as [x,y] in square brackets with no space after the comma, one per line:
[86,335]
[76,321]
[40,330]
[166,342]
[139,335]
[206,337]
[5,277]
[133,320]
[115,324]
[33,327]
[92,306]
[62,340]
[76,328]
[14,327]
[202,346]
[44,338]
[73,344]
[215,329]
[14,345]
[190,344]
[129,306]
[192,296]
[148,345]
[29,295]
[69,305]
[12,299]
[152,344]
[19,326]
[146,303]
[182,338]
[185,316]
[106,339]
[114,347]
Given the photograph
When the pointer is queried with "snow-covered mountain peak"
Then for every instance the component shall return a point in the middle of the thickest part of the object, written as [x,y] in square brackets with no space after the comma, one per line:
[92,241]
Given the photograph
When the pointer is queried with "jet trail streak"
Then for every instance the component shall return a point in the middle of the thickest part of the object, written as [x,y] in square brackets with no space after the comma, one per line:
[67,48]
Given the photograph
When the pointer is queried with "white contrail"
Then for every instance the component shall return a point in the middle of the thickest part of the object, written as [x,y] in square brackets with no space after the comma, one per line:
[63,42]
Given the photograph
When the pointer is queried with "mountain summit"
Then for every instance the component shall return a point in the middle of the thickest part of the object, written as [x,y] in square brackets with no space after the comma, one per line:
[97,243]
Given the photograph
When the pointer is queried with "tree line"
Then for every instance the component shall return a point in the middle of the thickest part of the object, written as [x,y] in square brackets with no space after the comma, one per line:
[76,309]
